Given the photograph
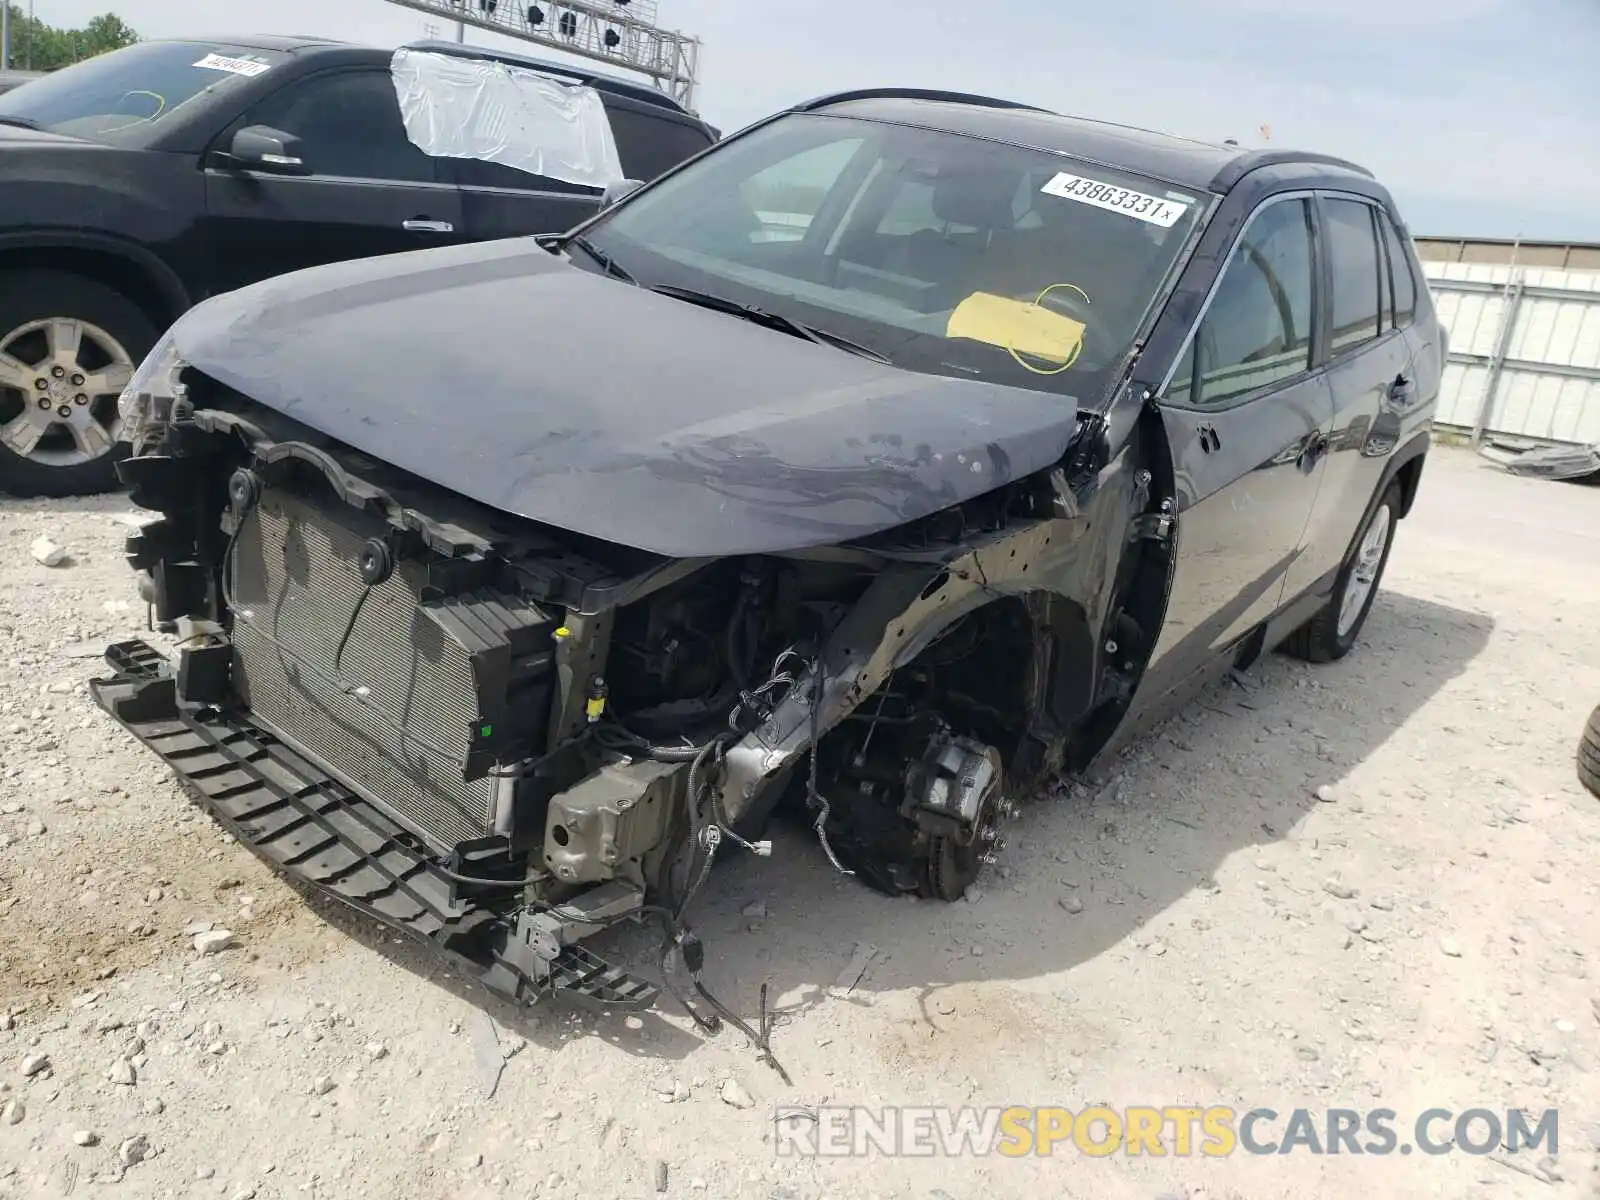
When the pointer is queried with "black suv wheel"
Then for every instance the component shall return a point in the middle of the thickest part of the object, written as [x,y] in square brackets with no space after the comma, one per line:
[68,346]
[1332,633]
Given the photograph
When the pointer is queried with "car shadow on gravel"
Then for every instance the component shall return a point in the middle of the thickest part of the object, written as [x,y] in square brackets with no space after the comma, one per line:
[1086,869]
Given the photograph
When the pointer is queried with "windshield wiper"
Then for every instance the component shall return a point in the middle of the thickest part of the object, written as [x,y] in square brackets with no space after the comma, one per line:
[607,263]
[772,320]
[20,122]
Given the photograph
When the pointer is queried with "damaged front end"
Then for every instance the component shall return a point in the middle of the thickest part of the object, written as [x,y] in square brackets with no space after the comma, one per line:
[505,740]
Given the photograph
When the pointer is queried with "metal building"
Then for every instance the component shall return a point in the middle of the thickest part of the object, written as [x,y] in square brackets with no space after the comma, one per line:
[1566,256]
[1524,339]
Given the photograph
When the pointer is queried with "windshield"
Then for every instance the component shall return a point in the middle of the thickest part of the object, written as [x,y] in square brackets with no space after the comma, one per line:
[125,96]
[943,253]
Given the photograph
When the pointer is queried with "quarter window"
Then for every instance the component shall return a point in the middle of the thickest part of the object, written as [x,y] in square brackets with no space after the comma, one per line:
[1353,257]
[649,145]
[349,124]
[1257,329]
[1405,283]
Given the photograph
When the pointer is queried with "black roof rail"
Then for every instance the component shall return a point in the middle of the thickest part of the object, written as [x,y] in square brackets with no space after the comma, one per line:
[1256,159]
[893,93]
[596,79]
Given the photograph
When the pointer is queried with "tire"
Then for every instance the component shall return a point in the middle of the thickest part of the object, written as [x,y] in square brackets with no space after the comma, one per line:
[1321,639]
[1589,754]
[67,345]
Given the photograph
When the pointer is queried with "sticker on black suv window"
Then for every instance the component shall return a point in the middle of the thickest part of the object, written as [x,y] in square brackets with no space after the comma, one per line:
[1112,198]
[234,66]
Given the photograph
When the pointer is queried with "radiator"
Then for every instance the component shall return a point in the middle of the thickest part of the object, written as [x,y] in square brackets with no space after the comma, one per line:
[363,680]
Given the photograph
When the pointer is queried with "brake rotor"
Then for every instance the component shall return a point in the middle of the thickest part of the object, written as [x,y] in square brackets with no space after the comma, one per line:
[952,867]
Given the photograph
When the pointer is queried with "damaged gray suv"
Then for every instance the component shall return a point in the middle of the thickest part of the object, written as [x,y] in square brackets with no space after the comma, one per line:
[896,454]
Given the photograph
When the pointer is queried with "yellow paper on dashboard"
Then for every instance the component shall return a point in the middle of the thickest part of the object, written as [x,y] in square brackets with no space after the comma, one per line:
[1019,325]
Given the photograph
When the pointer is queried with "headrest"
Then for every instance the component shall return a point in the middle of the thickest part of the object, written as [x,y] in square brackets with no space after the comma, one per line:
[980,199]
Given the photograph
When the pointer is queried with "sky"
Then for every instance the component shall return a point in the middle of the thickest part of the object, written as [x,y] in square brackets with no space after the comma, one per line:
[1482,116]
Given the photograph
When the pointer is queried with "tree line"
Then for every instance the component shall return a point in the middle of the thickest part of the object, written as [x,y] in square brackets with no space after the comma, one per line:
[36,46]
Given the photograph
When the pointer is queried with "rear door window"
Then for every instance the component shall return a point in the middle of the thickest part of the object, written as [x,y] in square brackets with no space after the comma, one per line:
[1354,262]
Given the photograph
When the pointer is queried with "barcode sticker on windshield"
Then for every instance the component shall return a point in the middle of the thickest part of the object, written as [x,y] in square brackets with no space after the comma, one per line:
[1112,198]
[234,66]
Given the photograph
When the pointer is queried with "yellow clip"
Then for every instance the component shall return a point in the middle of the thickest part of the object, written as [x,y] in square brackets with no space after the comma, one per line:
[563,632]
[595,706]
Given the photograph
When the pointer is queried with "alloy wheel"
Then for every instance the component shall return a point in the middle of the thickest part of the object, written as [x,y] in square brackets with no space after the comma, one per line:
[67,375]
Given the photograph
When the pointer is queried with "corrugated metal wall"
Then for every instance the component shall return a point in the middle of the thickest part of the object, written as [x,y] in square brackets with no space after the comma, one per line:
[1524,350]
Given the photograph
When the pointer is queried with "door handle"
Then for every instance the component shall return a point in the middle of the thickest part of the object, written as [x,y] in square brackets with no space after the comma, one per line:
[1399,393]
[424,225]
[1316,445]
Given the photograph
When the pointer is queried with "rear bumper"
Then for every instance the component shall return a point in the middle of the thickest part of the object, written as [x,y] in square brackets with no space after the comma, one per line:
[312,828]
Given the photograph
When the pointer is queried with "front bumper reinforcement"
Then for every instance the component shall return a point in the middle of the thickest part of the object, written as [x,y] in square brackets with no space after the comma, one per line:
[312,828]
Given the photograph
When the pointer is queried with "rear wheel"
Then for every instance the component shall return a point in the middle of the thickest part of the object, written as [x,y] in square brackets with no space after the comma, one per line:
[1332,632]
[68,346]
[1589,754]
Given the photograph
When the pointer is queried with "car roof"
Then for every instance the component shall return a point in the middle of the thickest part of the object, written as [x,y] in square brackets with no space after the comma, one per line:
[1184,162]
[578,74]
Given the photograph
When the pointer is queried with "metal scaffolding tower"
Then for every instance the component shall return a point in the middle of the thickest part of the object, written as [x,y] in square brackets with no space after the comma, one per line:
[622,33]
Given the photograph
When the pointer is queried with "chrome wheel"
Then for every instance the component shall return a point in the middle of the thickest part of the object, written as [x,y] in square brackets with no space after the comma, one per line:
[1364,571]
[67,375]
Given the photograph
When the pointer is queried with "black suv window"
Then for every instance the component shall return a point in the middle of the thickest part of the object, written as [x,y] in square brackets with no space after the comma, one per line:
[649,145]
[128,96]
[1257,329]
[348,123]
[1405,284]
[1353,256]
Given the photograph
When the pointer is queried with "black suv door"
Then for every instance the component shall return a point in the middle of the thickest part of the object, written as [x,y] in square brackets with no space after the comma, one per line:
[1246,412]
[1370,376]
[369,190]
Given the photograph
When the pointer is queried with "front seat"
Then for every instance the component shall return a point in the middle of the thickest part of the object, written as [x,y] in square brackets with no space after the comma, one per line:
[977,210]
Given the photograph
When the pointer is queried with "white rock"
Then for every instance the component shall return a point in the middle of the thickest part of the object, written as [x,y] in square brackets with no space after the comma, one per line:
[1450,947]
[1072,904]
[7,1022]
[1326,793]
[154,1107]
[135,1150]
[47,553]
[194,928]
[12,1112]
[733,1094]
[85,1137]
[323,1085]
[377,1050]
[33,1064]
[213,941]
[122,1073]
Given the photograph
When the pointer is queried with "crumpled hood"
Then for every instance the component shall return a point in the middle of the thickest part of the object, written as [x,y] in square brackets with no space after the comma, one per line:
[508,375]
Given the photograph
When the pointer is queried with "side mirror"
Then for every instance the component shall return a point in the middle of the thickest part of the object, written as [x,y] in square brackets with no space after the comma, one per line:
[618,191]
[262,148]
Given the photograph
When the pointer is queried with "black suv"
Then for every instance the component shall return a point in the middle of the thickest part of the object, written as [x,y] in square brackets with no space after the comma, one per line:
[898,453]
[142,181]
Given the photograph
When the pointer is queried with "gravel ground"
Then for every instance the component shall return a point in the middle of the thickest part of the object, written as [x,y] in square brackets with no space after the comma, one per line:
[1371,884]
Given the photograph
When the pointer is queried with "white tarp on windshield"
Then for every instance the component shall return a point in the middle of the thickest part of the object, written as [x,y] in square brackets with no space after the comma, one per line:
[476,108]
